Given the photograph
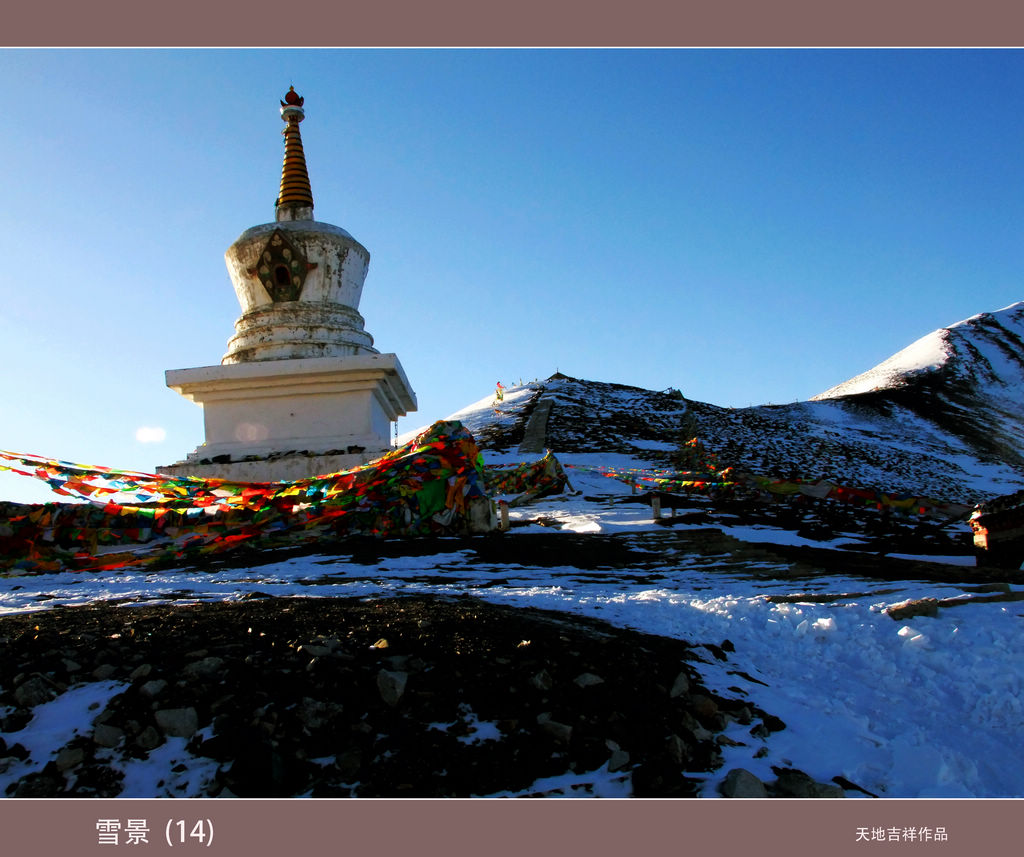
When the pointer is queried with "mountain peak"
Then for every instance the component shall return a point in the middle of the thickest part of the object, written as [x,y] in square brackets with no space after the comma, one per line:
[964,350]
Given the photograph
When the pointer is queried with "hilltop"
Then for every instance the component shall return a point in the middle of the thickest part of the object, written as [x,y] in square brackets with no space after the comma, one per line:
[944,417]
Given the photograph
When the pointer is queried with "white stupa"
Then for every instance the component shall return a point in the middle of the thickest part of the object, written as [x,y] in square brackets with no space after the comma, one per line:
[301,390]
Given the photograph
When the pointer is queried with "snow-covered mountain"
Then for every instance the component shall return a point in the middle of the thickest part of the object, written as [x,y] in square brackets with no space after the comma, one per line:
[944,417]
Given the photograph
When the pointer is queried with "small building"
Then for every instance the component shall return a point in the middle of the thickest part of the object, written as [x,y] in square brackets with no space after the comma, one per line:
[301,390]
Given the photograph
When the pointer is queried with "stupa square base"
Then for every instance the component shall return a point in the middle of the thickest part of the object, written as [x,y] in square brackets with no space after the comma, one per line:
[269,419]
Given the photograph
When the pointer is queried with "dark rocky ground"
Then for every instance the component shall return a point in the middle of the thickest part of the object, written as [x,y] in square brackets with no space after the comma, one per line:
[430,696]
[343,697]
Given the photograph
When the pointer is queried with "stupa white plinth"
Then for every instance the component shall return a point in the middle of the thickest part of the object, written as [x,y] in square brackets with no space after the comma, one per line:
[301,390]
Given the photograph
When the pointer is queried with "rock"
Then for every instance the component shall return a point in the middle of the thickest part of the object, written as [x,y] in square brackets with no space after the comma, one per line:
[41,784]
[742,784]
[148,739]
[587,680]
[702,706]
[71,666]
[677,750]
[34,691]
[204,668]
[106,735]
[690,723]
[16,720]
[103,672]
[680,686]
[542,680]
[348,764]
[141,671]
[18,751]
[177,722]
[314,651]
[313,714]
[743,715]
[561,732]
[69,757]
[794,783]
[152,689]
[618,761]
[913,607]
[391,685]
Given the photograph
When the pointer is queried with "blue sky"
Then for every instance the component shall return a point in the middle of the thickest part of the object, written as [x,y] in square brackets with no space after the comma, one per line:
[748,226]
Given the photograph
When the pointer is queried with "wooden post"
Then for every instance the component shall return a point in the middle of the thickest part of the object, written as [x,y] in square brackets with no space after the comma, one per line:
[503,511]
[656,506]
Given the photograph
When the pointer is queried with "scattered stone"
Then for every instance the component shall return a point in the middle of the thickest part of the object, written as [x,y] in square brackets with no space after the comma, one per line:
[542,681]
[71,666]
[152,689]
[18,751]
[913,607]
[690,723]
[680,686]
[69,757]
[314,651]
[677,750]
[587,680]
[794,783]
[743,715]
[16,720]
[740,783]
[314,714]
[177,722]
[846,785]
[106,735]
[41,784]
[141,671]
[618,761]
[391,685]
[703,706]
[348,764]
[204,668]
[34,691]
[148,739]
[103,672]
[561,732]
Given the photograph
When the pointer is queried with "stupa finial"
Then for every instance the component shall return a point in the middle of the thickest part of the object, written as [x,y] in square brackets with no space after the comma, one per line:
[295,199]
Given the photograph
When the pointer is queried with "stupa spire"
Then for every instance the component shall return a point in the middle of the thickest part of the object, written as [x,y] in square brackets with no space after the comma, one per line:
[295,200]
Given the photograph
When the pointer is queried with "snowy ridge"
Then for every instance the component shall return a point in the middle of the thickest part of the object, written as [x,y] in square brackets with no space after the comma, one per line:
[985,349]
[943,417]
[927,354]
